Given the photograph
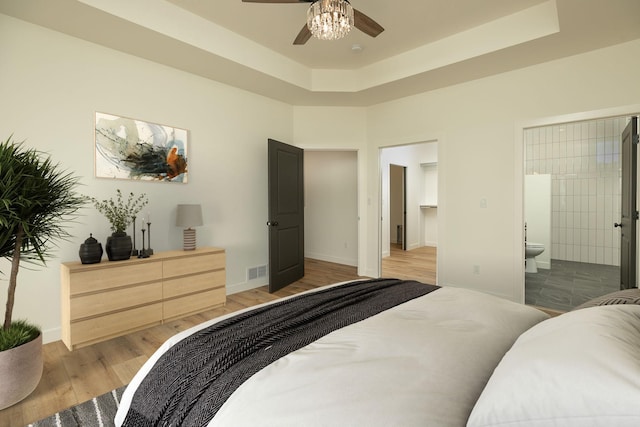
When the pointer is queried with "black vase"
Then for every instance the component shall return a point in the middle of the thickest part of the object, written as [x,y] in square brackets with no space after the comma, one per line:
[118,246]
[90,251]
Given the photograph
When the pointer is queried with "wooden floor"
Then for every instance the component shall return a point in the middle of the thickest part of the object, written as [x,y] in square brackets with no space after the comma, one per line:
[417,264]
[70,378]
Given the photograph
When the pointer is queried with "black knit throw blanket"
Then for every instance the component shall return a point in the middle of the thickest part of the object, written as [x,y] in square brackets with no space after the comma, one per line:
[193,379]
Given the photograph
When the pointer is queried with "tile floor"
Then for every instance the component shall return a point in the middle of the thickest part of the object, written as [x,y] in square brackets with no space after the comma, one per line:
[568,284]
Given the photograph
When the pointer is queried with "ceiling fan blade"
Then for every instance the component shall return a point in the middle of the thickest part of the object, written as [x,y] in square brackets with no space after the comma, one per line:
[366,24]
[277,1]
[303,36]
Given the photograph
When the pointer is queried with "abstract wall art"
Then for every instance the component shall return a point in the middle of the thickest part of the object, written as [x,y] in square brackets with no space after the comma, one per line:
[135,149]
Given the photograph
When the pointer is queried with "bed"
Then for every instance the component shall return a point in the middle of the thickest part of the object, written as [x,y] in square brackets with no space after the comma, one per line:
[388,352]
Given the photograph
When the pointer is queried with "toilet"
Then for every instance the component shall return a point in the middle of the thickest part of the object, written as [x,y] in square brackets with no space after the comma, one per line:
[531,251]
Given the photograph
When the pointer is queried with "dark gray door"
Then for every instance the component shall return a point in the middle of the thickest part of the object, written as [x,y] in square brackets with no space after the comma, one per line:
[398,200]
[286,214]
[628,214]
[404,208]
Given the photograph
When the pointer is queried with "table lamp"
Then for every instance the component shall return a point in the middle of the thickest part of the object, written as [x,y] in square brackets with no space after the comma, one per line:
[189,216]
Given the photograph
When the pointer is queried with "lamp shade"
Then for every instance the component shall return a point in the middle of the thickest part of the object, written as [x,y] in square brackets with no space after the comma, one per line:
[189,216]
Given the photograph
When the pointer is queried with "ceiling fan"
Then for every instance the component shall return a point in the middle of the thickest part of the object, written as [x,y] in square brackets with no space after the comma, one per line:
[360,21]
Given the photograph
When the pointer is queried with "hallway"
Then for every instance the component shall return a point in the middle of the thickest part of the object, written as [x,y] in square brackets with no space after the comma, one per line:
[417,264]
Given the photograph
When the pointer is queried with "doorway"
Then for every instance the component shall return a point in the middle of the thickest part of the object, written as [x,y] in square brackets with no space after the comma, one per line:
[408,226]
[581,161]
[331,205]
[328,186]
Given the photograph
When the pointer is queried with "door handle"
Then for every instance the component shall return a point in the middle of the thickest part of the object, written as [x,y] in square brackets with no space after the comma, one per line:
[272,223]
[615,224]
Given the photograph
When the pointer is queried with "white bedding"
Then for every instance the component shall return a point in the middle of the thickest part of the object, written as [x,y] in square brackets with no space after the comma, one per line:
[422,363]
[581,369]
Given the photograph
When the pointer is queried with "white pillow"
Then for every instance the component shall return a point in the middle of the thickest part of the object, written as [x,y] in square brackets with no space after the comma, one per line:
[578,369]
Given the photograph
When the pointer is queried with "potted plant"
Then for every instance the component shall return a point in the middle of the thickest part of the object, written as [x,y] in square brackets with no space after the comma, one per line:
[120,214]
[35,199]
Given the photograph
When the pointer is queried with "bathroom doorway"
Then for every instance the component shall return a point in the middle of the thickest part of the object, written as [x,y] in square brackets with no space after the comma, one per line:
[581,162]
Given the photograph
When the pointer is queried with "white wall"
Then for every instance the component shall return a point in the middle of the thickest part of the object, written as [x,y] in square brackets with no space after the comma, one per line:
[52,85]
[331,206]
[430,201]
[537,215]
[430,227]
[480,154]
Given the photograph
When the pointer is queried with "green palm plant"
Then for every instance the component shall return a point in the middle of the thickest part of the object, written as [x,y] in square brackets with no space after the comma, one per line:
[36,197]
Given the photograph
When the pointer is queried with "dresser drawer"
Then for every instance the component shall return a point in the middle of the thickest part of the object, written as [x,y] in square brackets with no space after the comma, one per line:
[89,305]
[99,279]
[190,284]
[193,303]
[193,264]
[104,327]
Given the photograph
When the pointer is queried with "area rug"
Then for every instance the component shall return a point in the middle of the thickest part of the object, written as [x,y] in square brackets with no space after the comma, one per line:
[99,411]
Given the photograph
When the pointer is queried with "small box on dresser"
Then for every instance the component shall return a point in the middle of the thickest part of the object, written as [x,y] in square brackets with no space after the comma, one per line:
[109,299]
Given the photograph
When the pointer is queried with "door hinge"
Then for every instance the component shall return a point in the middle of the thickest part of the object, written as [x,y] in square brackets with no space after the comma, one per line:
[636,215]
[636,139]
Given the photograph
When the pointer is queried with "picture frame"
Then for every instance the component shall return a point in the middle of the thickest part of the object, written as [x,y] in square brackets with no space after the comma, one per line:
[133,149]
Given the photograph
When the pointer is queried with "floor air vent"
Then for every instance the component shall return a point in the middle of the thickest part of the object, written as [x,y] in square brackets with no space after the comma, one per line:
[256,272]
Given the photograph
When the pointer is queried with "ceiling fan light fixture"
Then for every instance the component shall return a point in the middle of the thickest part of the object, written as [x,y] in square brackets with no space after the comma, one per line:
[330,19]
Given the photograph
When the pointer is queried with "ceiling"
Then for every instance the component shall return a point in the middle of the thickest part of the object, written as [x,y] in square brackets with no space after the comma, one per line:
[414,24]
[427,44]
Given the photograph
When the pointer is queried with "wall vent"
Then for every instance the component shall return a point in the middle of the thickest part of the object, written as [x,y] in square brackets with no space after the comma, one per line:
[256,272]
[262,271]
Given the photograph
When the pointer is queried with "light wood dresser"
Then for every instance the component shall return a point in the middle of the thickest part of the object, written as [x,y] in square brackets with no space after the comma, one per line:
[112,298]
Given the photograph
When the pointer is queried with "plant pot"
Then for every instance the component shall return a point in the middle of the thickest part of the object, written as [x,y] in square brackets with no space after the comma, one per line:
[118,247]
[20,370]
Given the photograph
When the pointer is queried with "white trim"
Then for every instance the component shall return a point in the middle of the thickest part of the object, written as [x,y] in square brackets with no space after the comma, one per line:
[246,286]
[330,258]
[543,264]
[51,335]
[411,246]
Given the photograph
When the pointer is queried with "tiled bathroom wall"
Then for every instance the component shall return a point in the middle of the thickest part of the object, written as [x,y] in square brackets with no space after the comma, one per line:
[583,159]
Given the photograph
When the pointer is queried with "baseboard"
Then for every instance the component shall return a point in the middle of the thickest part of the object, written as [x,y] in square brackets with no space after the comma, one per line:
[51,335]
[543,264]
[334,259]
[368,273]
[431,244]
[245,286]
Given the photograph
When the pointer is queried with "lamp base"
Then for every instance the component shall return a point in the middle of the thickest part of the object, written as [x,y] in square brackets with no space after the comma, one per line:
[189,239]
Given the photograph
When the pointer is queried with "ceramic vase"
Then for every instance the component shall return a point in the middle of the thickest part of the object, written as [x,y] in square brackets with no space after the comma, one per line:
[90,251]
[118,246]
